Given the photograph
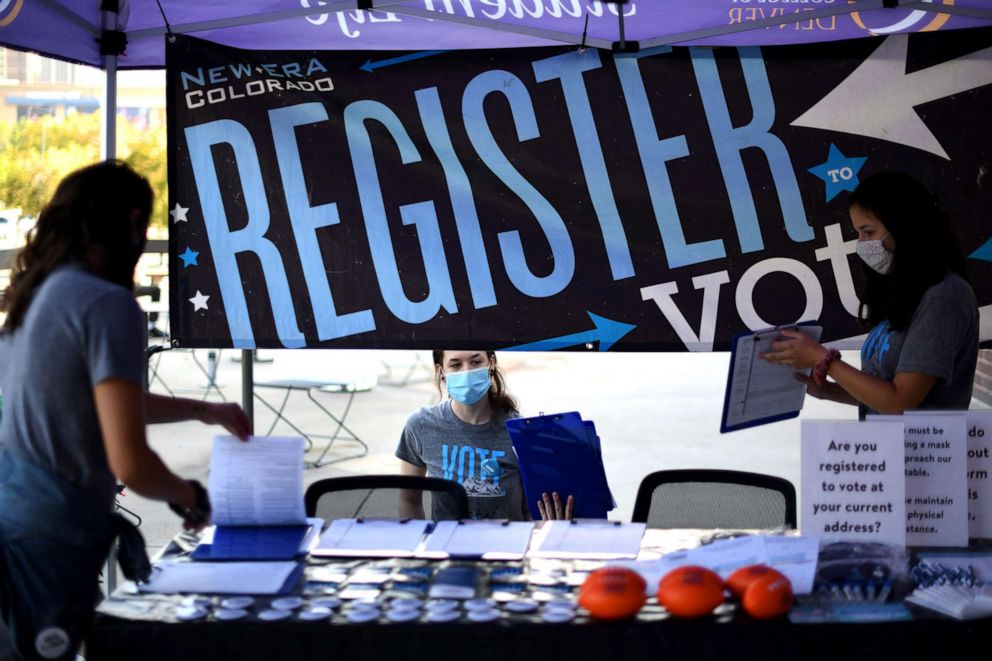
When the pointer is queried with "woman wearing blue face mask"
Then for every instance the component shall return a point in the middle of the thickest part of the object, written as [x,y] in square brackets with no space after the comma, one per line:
[464,438]
[922,346]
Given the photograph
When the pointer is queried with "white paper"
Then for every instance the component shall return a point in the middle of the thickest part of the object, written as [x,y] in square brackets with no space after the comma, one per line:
[794,557]
[727,555]
[954,601]
[398,538]
[588,538]
[853,482]
[760,389]
[219,577]
[979,467]
[258,482]
[486,539]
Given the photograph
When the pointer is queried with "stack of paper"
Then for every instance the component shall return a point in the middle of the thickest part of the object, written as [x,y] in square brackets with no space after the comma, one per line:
[958,602]
[561,453]
[256,490]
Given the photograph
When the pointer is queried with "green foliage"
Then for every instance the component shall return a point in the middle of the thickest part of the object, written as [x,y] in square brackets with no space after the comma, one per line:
[36,153]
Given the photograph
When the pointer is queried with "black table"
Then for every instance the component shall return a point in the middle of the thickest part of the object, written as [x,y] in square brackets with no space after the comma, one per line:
[728,634]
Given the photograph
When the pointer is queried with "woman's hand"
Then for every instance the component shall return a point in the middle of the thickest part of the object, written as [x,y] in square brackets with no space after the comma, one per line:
[795,349]
[824,391]
[228,415]
[551,507]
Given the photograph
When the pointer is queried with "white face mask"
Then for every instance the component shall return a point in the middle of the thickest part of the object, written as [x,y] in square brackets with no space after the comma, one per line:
[875,255]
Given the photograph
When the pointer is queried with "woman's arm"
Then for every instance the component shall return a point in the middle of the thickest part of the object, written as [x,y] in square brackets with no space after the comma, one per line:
[905,391]
[411,505]
[120,407]
[175,409]
[829,390]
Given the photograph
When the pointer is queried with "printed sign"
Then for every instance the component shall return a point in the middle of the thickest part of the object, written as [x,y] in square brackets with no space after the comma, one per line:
[852,481]
[979,425]
[551,198]
[936,490]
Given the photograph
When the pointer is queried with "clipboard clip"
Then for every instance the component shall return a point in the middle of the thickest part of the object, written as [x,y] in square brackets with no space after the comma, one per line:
[361,519]
[575,522]
[504,522]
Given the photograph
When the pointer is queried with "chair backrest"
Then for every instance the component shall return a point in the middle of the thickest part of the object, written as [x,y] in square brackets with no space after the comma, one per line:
[715,499]
[379,495]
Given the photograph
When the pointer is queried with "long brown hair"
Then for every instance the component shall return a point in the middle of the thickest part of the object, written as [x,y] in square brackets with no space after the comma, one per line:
[91,206]
[500,400]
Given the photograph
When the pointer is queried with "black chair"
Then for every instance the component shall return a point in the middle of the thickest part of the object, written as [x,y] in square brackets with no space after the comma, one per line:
[379,495]
[715,499]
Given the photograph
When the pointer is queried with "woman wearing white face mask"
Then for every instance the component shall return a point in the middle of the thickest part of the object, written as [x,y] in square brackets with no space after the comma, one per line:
[464,438]
[922,346]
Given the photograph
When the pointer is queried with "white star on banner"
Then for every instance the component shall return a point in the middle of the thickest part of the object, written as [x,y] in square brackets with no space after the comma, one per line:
[199,301]
[179,213]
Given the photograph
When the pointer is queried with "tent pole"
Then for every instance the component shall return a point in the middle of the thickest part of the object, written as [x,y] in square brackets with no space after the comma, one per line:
[108,151]
[109,134]
[247,385]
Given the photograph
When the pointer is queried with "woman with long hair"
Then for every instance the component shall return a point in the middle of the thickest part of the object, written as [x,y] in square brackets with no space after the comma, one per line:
[74,411]
[922,346]
[464,438]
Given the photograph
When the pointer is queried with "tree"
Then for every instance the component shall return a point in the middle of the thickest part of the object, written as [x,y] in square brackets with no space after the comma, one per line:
[36,153]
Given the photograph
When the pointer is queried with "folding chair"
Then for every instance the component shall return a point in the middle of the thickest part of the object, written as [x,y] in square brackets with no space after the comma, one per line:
[709,498]
[309,371]
[377,495]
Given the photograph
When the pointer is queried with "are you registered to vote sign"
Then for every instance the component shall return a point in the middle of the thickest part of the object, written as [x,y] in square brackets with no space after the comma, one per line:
[853,485]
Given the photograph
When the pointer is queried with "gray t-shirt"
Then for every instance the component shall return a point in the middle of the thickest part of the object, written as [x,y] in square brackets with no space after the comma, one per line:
[941,341]
[79,330]
[479,457]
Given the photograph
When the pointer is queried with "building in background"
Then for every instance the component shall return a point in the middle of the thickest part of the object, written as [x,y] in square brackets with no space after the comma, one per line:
[36,86]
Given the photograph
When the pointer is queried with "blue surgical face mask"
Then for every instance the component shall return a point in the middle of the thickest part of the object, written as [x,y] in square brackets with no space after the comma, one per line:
[469,386]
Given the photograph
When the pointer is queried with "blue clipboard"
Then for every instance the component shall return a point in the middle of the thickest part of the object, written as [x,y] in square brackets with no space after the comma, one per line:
[253,543]
[561,453]
[743,382]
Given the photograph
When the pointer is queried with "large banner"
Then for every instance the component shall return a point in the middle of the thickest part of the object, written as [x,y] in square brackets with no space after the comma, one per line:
[553,198]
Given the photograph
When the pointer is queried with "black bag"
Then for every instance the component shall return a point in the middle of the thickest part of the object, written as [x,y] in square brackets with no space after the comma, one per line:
[130,550]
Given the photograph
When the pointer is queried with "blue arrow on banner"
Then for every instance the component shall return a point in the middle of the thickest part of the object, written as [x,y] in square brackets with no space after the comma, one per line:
[984,253]
[607,332]
[371,66]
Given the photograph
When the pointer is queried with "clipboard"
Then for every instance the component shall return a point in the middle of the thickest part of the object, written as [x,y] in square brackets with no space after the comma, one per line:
[245,543]
[759,392]
[561,452]
[372,538]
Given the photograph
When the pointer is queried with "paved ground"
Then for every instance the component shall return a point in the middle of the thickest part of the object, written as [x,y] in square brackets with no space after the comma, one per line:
[652,412]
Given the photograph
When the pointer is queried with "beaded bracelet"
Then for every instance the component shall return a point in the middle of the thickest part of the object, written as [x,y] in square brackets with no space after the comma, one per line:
[820,370]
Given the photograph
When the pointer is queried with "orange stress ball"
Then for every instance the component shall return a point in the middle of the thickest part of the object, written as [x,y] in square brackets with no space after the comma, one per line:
[768,597]
[738,581]
[612,593]
[691,591]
